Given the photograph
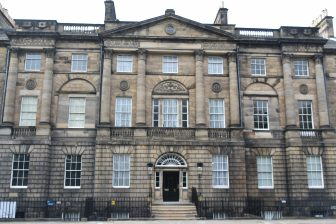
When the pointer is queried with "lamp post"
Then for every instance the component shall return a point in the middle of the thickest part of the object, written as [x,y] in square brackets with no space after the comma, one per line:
[199,173]
[150,173]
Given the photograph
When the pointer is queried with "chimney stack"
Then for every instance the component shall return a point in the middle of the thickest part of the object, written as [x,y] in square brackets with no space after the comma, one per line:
[110,14]
[326,27]
[222,16]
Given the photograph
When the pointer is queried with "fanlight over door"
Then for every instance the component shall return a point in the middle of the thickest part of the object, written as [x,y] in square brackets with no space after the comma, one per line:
[171,160]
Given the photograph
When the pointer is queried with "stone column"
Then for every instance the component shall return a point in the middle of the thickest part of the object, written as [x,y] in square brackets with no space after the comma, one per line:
[234,93]
[9,109]
[200,114]
[141,89]
[291,110]
[105,103]
[321,93]
[47,86]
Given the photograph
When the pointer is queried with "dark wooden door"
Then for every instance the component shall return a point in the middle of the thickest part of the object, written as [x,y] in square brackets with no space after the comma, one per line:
[171,191]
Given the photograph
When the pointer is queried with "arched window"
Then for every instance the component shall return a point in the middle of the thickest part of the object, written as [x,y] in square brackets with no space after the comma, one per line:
[170,106]
[171,160]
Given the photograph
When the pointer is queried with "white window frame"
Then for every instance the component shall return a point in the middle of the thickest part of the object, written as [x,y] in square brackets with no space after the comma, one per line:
[265,169]
[79,62]
[215,65]
[124,63]
[216,113]
[164,113]
[258,66]
[73,113]
[28,109]
[157,179]
[72,171]
[315,169]
[260,112]
[301,67]
[33,61]
[306,119]
[223,170]
[170,64]
[24,169]
[121,169]
[184,179]
[123,112]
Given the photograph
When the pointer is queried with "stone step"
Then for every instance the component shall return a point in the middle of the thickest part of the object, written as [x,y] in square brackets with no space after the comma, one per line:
[174,211]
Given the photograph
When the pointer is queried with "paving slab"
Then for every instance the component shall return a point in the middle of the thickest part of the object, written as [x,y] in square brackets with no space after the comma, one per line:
[283,221]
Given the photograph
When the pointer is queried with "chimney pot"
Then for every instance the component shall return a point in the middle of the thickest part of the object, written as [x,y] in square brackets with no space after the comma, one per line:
[110,14]
[170,12]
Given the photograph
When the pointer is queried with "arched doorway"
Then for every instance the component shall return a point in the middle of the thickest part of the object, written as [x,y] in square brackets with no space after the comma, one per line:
[171,178]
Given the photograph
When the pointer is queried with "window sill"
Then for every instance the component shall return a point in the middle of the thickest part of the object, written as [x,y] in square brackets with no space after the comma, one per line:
[124,73]
[84,72]
[317,187]
[32,71]
[19,187]
[121,187]
[72,188]
[266,188]
[221,187]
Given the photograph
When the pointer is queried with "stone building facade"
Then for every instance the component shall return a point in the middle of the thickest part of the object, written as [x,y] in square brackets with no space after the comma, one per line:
[158,107]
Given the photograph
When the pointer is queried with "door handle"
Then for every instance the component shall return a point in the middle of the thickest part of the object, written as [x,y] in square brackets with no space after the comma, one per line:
[166,189]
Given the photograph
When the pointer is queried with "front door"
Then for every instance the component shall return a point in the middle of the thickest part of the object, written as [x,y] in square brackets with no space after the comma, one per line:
[171,185]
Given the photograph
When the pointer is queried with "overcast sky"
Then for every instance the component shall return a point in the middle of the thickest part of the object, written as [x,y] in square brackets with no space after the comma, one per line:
[243,13]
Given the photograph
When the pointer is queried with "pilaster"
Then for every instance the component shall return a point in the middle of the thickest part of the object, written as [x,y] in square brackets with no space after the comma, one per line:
[9,109]
[141,88]
[200,114]
[105,102]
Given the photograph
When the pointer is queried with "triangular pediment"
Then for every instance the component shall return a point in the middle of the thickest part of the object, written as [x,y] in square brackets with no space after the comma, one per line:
[169,26]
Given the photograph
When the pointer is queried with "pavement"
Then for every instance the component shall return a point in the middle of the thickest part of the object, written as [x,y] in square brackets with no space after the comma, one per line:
[249,221]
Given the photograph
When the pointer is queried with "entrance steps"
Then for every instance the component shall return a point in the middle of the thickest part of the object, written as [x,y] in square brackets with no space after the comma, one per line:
[174,211]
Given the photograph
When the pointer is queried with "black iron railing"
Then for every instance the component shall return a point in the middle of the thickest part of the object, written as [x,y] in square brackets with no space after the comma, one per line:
[74,209]
[267,208]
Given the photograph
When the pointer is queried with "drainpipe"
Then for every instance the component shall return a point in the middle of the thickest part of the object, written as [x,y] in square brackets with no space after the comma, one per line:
[239,87]
[5,83]
[101,76]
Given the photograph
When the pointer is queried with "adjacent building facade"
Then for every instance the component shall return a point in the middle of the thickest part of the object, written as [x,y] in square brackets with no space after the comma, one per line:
[156,108]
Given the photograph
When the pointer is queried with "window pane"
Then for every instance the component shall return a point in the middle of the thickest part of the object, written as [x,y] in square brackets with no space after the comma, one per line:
[20,169]
[260,116]
[216,112]
[220,171]
[121,170]
[72,174]
[170,113]
[170,64]
[301,67]
[124,63]
[33,62]
[79,63]
[123,112]
[305,114]
[265,171]
[76,112]
[258,66]
[215,65]
[314,172]
[28,111]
